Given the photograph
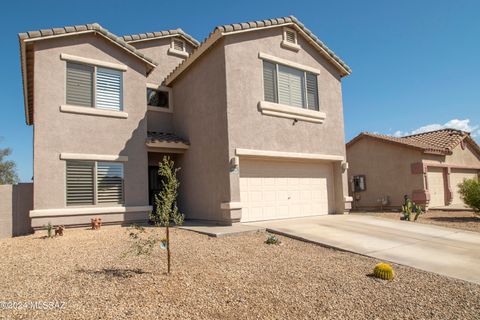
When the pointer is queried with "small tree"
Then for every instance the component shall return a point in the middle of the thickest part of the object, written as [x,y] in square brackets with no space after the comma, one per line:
[8,173]
[469,191]
[166,201]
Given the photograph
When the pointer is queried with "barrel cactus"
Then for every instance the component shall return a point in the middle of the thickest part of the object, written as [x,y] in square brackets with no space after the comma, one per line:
[383,271]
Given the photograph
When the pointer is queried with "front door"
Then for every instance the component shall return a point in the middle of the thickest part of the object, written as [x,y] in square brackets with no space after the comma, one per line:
[154,184]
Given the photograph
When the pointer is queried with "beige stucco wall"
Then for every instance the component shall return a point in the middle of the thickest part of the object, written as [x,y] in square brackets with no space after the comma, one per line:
[201,117]
[463,157]
[158,51]
[387,170]
[15,203]
[56,132]
[248,128]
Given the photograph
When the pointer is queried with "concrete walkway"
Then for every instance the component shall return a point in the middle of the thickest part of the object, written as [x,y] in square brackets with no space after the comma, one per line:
[445,251]
[213,230]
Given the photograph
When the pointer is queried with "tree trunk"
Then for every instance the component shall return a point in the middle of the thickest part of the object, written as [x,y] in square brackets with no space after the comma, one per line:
[168,250]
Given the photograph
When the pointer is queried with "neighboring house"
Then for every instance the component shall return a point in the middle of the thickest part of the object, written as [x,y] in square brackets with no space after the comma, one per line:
[427,167]
[253,116]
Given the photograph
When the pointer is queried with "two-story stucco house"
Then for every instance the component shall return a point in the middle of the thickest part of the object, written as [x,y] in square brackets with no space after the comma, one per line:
[253,116]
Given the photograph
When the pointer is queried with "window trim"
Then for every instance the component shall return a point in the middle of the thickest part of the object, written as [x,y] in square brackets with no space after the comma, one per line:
[179,53]
[289,45]
[95,159]
[288,63]
[95,64]
[170,98]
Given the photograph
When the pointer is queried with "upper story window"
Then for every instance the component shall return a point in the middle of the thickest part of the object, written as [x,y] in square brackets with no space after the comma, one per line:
[94,86]
[290,86]
[94,182]
[159,98]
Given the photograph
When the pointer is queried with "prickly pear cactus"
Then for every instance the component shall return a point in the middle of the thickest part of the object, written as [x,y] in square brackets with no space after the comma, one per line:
[383,271]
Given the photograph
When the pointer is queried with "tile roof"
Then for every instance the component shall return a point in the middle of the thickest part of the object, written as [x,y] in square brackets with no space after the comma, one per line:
[160,34]
[279,21]
[438,142]
[95,27]
[219,31]
[165,137]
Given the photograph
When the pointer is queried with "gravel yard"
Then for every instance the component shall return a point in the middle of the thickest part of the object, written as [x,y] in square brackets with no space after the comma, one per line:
[216,278]
[465,220]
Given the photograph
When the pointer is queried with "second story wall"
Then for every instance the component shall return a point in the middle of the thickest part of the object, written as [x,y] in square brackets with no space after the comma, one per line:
[249,128]
[160,120]
[57,132]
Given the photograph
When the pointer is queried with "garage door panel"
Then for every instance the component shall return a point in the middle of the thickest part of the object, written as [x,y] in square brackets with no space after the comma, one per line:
[436,187]
[281,189]
[456,177]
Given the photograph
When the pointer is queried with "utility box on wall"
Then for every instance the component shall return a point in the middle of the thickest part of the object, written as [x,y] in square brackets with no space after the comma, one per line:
[16,201]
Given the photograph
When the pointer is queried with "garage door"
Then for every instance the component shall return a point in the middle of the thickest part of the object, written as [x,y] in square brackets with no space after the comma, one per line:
[456,177]
[436,187]
[284,189]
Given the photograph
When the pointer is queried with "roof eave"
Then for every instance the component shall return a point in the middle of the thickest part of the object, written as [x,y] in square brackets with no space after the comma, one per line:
[23,63]
[195,44]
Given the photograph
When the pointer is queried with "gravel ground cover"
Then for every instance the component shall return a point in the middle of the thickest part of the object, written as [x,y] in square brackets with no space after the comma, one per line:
[465,220]
[216,278]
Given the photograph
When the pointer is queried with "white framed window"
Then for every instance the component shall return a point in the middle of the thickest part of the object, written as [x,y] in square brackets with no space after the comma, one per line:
[290,39]
[94,182]
[159,98]
[94,86]
[290,86]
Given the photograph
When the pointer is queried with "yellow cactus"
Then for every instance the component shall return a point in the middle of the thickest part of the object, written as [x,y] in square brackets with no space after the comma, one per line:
[383,271]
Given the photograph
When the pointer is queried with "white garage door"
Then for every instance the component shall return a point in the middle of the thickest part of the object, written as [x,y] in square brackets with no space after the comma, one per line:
[456,177]
[284,189]
[436,187]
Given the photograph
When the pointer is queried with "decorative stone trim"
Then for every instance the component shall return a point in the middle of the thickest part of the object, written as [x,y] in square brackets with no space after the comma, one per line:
[290,46]
[92,157]
[100,63]
[230,205]
[178,53]
[295,113]
[265,56]
[86,211]
[93,111]
[165,144]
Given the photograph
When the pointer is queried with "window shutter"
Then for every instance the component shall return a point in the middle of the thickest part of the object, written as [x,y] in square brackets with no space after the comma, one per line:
[312,91]
[269,81]
[79,85]
[290,86]
[109,89]
[80,183]
[109,182]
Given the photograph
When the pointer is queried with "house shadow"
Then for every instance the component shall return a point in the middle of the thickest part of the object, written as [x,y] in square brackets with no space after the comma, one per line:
[114,272]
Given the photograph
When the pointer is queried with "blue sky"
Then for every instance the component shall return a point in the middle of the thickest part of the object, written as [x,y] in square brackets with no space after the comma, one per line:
[415,63]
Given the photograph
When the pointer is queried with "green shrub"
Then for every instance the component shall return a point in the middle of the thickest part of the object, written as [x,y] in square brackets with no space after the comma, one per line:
[383,271]
[469,190]
[49,229]
[272,239]
[411,211]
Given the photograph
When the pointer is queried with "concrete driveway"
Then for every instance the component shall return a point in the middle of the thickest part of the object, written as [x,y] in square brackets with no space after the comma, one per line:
[445,251]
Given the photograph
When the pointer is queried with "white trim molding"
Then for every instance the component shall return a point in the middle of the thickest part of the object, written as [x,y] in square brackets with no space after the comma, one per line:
[100,63]
[230,205]
[92,157]
[286,155]
[291,46]
[93,111]
[86,211]
[285,62]
[296,113]
[347,199]
[178,53]
[165,144]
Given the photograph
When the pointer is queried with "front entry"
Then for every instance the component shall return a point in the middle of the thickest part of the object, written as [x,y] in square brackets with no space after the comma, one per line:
[154,184]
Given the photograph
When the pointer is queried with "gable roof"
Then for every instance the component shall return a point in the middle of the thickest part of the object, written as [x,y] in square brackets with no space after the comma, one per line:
[227,29]
[27,38]
[434,142]
[161,34]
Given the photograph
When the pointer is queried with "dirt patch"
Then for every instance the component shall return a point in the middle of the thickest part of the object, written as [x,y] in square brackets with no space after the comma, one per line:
[465,220]
[216,278]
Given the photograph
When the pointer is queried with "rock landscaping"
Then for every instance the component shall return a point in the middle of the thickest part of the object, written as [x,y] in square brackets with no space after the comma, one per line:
[238,277]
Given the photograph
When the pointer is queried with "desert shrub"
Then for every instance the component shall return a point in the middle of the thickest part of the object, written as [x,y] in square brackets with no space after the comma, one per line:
[383,271]
[49,229]
[411,211]
[272,239]
[469,191]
